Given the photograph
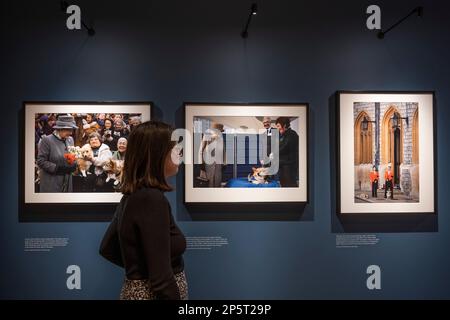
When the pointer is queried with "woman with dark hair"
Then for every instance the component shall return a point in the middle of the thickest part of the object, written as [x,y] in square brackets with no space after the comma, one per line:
[143,237]
[106,133]
[107,125]
[90,124]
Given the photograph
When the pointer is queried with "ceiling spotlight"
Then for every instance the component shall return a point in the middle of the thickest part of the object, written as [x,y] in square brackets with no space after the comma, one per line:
[254,9]
[253,12]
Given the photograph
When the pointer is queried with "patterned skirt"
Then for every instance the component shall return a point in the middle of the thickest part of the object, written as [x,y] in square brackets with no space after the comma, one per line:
[140,290]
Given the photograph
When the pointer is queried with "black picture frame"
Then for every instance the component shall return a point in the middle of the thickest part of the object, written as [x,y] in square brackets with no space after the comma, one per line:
[362,218]
[62,212]
[227,209]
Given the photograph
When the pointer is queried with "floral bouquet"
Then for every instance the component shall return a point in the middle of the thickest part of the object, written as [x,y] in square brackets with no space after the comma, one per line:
[72,155]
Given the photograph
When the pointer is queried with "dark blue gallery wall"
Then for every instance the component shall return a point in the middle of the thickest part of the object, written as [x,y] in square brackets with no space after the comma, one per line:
[297,51]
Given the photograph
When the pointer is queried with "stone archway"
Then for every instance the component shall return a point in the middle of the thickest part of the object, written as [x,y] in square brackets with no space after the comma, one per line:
[363,140]
[392,142]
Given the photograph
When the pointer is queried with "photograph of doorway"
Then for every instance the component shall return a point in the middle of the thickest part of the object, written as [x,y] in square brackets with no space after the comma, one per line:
[386,152]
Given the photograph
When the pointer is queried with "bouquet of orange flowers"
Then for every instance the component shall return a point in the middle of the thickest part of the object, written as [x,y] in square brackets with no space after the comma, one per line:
[70,158]
[73,154]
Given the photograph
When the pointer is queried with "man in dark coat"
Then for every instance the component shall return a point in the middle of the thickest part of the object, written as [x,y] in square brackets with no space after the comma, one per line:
[288,154]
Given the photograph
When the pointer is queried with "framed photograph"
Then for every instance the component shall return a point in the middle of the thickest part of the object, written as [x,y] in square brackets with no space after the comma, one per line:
[241,153]
[73,154]
[386,152]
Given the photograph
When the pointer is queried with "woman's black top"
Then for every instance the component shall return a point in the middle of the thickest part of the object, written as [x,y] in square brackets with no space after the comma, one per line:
[144,239]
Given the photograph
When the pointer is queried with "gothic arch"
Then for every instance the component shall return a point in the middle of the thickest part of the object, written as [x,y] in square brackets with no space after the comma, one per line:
[388,142]
[363,140]
[387,137]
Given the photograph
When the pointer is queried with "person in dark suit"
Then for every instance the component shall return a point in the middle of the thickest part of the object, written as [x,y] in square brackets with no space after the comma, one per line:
[267,123]
[288,153]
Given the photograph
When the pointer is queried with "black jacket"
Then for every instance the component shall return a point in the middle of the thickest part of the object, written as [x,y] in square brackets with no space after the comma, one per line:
[288,149]
[144,239]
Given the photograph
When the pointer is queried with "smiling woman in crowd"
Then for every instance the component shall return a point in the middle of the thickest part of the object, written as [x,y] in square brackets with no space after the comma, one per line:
[100,155]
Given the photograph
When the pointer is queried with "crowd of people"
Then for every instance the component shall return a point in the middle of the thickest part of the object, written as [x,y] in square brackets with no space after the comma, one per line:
[99,142]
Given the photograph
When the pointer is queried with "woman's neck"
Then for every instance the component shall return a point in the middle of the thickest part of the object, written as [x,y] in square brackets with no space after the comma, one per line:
[56,134]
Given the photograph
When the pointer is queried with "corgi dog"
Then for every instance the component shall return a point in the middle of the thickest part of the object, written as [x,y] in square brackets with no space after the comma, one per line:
[83,164]
[113,169]
[259,176]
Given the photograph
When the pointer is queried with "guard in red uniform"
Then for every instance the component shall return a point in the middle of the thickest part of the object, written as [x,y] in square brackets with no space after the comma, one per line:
[374,177]
[389,181]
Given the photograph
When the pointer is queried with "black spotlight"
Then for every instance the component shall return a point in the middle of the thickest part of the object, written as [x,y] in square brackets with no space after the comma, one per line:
[253,12]
[254,9]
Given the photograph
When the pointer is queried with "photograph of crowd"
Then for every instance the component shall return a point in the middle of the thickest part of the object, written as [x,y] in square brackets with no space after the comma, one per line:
[81,152]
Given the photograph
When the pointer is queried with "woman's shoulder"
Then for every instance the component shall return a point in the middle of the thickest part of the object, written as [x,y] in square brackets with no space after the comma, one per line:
[292,132]
[47,138]
[148,200]
[104,147]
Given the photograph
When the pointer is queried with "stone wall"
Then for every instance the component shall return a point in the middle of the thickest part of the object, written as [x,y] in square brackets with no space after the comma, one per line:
[362,177]
[410,175]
